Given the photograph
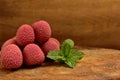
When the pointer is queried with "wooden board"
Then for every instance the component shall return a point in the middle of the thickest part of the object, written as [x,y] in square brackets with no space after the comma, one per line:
[98,64]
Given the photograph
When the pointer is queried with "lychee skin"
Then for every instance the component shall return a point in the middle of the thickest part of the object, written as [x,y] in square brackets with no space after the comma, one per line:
[9,41]
[25,35]
[42,31]
[56,41]
[50,45]
[33,55]
[11,57]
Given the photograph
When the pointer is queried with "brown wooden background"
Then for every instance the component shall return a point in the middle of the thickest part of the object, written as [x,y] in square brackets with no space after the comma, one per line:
[88,22]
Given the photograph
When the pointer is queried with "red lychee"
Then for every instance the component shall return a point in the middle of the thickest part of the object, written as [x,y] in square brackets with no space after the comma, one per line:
[42,31]
[11,57]
[25,35]
[9,41]
[54,39]
[33,55]
[51,44]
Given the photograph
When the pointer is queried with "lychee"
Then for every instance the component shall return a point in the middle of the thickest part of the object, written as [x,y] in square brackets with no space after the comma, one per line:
[9,41]
[11,57]
[51,44]
[54,39]
[33,55]
[25,35]
[42,31]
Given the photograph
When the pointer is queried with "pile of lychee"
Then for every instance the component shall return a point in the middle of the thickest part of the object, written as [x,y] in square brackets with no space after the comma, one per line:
[29,47]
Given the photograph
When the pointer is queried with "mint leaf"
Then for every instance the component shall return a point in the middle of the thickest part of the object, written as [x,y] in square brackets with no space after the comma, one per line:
[76,54]
[55,55]
[66,46]
[69,42]
[70,62]
[73,57]
[67,55]
[65,49]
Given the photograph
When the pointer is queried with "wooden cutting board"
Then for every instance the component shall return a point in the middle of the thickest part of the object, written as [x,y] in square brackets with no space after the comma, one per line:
[98,64]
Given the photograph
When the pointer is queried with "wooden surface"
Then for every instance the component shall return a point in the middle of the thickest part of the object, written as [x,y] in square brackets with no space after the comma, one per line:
[98,64]
[88,22]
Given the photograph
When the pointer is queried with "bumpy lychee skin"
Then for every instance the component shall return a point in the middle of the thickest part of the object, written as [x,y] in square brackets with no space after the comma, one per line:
[11,57]
[54,39]
[33,55]
[25,35]
[9,41]
[42,31]
[51,44]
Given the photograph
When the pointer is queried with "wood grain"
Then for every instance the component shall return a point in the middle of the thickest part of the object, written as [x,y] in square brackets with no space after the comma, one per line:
[88,22]
[98,64]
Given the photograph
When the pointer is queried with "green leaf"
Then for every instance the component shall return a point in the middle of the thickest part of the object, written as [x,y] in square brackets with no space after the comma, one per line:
[65,50]
[55,55]
[71,63]
[66,46]
[69,42]
[76,54]
[67,55]
[73,57]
